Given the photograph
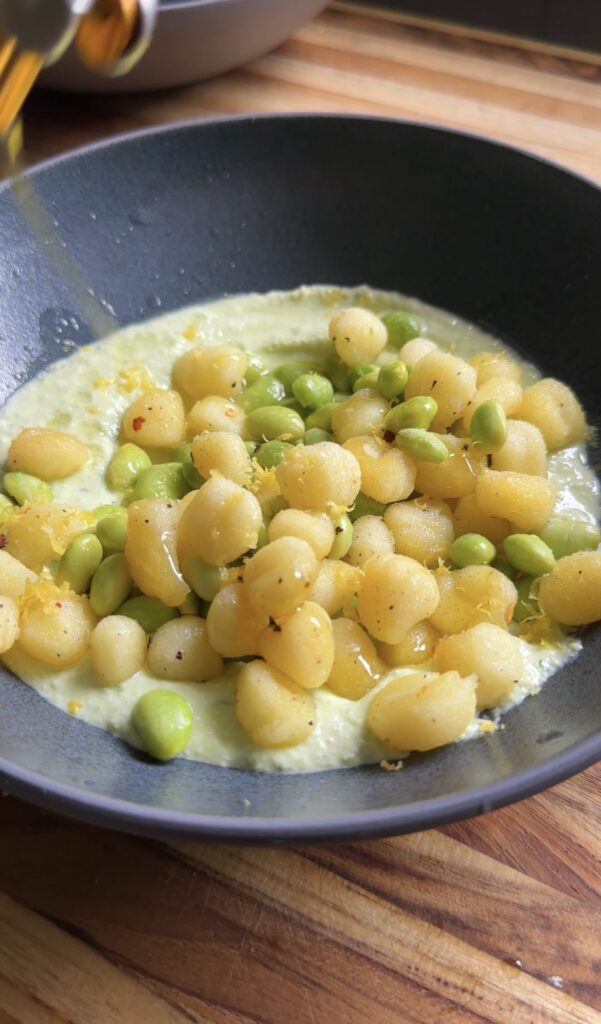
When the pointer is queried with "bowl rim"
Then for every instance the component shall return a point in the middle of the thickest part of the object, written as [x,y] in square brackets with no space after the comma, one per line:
[147,820]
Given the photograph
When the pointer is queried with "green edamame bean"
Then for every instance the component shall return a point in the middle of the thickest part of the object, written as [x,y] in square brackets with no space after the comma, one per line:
[271,453]
[567,536]
[421,445]
[7,510]
[79,562]
[112,532]
[251,447]
[416,412]
[362,370]
[315,435]
[263,537]
[365,506]
[265,391]
[502,565]
[106,510]
[312,390]
[163,481]
[26,489]
[163,721]
[401,327]
[528,553]
[274,423]
[205,580]
[150,612]
[191,606]
[343,537]
[526,606]
[289,372]
[291,403]
[392,379]
[338,372]
[471,549]
[488,428]
[111,585]
[126,465]
[321,418]
[255,368]
[192,477]
[367,380]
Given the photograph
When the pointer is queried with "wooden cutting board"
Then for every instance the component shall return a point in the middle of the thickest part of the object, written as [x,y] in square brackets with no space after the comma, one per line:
[495,920]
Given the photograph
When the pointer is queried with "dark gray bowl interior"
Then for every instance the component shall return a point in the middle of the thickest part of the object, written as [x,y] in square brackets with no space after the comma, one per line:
[189,213]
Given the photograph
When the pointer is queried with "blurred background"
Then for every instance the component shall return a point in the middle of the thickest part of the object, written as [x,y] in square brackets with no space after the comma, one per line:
[526,71]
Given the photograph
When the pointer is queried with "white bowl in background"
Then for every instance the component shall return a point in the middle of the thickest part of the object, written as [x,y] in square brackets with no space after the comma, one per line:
[194,40]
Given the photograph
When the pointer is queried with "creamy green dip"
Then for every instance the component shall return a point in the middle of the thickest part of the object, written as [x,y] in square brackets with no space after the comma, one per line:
[87,394]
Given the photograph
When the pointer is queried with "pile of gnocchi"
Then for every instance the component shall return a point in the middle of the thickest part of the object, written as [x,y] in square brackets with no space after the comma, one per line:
[318,524]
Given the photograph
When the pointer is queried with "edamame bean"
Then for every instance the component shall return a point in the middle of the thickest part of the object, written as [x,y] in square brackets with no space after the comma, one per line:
[255,368]
[365,506]
[273,423]
[106,510]
[7,510]
[112,532]
[337,372]
[502,565]
[362,370]
[421,445]
[205,580]
[79,562]
[26,489]
[163,481]
[263,537]
[265,391]
[289,372]
[392,379]
[401,327]
[488,428]
[163,721]
[312,390]
[416,412]
[111,585]
[471,549]
[183,454]
[367,380]
[528,553]
[191,606]
[126,465]
[271,453]
[251,447]
[315,435]
[343,531]
[567,536]
[526,606]
[321,418]
[150,612]
[291,403]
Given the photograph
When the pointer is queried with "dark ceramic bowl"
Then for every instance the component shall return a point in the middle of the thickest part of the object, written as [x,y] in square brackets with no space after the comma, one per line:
[500,237]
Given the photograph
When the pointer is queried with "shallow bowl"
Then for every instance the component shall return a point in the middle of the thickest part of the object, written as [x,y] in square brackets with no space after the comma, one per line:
[165,218]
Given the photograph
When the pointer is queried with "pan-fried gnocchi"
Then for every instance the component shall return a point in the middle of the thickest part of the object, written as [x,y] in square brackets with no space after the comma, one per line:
[295,531]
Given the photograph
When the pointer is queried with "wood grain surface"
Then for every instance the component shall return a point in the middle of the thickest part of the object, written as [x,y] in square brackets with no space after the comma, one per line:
[493,920]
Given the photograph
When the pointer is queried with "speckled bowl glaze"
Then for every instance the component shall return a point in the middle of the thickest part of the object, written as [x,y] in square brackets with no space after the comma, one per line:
[500,237]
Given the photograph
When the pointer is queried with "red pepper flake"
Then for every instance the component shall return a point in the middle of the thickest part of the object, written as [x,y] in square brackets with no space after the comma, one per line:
[3,540]
[57,604]
[138,422]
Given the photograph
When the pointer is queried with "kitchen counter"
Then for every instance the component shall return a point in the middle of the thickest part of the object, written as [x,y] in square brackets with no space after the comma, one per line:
[494,920]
